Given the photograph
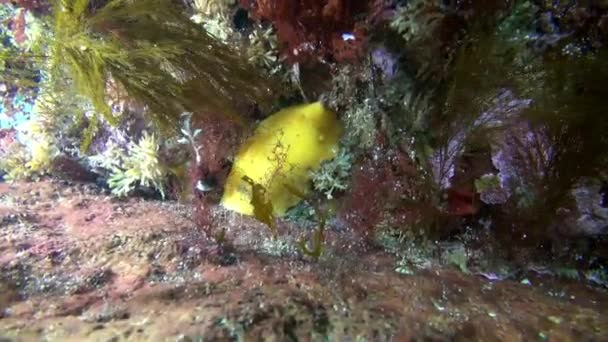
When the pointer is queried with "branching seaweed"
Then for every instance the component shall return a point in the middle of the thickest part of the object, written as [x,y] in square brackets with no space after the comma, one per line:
[161,59]
[319,237]
[262,207]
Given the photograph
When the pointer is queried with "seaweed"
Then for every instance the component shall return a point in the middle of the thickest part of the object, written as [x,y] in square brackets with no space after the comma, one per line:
[537,112]
[333,175]
[22,50]
[312,30]
[160,58]
[318,240]
[559,141]
[30,155]
[141,165]
[319,237]
[262,207]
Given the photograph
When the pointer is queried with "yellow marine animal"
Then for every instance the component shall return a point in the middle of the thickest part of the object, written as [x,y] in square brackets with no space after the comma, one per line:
[283,150]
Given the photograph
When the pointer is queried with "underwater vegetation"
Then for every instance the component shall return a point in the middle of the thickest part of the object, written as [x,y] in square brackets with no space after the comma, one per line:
[462,114]
[418,116]
[261,203]
[158,56]
[311,30]
[21,50]
[566,133]
[333,175]
[318,240]
[28,155]
[141,165]
[528,120]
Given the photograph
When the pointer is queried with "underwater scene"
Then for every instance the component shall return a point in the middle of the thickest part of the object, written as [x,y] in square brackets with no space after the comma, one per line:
[303,170]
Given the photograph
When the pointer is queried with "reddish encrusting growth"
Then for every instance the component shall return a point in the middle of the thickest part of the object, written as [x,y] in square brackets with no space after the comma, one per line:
[310,31]
[379,185]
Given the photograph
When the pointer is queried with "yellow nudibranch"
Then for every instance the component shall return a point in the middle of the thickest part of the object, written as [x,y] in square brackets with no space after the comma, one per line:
[283,150]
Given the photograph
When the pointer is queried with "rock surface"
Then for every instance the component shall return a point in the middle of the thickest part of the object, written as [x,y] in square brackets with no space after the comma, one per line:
[77,265]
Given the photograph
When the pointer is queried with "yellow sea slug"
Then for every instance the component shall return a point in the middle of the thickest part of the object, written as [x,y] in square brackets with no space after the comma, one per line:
[283,150]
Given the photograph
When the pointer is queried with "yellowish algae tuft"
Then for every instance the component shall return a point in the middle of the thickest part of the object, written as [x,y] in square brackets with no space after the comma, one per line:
[283,150]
